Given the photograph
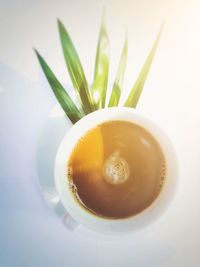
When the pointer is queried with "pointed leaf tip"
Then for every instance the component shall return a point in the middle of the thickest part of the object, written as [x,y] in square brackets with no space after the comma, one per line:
[62,96]
[118,83]
[99,86]
[136,90]
[75,70]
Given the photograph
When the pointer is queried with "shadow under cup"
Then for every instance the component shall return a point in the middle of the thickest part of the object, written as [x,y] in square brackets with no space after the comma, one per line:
[99,223]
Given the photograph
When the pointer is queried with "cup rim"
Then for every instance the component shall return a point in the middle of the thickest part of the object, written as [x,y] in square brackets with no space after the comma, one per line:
[102,224]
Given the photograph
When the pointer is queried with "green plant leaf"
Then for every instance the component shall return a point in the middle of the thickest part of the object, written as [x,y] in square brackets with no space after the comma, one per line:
[62,96]
[136,90]
[99,86]
[75,70]
[118,83]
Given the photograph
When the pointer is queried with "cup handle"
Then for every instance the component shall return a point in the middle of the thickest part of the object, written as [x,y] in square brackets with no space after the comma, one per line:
[69,222]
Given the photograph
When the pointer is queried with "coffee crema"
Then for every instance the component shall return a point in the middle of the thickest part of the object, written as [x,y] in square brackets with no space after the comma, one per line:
[116,170]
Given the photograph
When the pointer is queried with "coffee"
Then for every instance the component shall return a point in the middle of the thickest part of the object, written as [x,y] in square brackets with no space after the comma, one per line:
[116,170]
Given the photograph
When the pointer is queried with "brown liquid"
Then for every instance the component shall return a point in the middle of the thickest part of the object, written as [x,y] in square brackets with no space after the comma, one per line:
[116,169]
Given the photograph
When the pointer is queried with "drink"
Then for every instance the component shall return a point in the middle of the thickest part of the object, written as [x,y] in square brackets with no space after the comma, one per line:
[116,169]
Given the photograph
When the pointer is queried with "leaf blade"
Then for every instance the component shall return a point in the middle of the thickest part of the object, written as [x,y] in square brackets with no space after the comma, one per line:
[100,82]
[118,83]
[136,90]
[75,70]
[62,96]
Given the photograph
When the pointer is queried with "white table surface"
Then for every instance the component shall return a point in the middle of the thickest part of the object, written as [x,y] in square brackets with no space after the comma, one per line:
[31,234]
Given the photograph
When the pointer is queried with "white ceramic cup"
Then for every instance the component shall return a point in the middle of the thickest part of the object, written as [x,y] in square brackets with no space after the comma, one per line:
[100,224]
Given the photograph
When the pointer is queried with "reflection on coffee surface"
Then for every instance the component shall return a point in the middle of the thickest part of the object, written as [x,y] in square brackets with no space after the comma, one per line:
[116,169]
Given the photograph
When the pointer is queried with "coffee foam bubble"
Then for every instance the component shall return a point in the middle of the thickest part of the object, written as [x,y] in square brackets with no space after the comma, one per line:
[162,175]
[116,169]
[69,173]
